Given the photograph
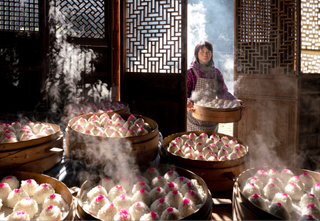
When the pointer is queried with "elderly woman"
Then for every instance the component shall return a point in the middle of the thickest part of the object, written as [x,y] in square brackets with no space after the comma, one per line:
[204,81]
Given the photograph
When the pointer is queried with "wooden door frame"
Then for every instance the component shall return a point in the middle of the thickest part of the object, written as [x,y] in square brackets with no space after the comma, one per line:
[293,76]
[184,65]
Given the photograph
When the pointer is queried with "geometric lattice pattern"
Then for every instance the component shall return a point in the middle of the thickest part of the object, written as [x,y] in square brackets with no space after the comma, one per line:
[19,15]
[82,18]
[310,63]
[153,36]
[266,35]
[310,36]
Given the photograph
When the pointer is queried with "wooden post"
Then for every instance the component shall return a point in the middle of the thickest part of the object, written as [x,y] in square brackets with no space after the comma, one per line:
[116,50]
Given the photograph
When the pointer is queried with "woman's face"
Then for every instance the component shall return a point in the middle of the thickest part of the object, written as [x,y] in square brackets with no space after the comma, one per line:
[204,55]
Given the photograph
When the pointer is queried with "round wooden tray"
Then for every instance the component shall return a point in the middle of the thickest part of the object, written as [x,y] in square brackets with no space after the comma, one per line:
[203,213]
[58,186]
[217,115]
[34,142]
[217,174]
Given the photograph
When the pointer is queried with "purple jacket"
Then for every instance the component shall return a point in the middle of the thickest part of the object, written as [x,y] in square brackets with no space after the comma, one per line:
[192,80]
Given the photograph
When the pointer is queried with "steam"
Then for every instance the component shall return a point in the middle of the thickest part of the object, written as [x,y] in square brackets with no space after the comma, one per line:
[237,84]
[204,93]
[11,58]
[267,140]
[68,65]
[263,148]
[114,157]
[213,21]
[196,27]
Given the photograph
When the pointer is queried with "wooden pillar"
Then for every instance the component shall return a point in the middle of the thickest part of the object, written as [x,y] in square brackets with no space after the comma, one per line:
[116,50]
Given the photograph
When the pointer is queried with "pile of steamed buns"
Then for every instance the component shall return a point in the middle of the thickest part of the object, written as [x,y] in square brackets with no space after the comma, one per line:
[112,126]
[284,194]
[15,132]
[150,196]
[206,148]
[28,200]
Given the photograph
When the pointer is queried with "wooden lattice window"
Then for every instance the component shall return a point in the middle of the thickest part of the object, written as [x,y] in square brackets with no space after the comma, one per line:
[19,15]
[153,36]
[265,40]
[310,36]
[82,18]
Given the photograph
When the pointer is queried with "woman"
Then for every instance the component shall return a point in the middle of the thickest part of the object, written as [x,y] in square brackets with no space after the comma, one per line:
[204,81]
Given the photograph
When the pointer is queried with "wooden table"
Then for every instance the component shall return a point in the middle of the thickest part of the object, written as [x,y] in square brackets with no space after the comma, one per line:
[221,209]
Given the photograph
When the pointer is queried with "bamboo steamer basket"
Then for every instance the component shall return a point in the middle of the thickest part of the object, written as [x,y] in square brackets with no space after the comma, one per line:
[35,155]
[144,148]
[243,209]
[203,213]
[218,175]
[217,115]
[58,186]
[34,142]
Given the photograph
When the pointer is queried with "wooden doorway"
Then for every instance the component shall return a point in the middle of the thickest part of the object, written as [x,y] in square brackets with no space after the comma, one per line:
[266,79]
[153,66]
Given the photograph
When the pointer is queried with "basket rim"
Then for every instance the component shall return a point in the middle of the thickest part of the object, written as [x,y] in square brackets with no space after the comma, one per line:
[218,109]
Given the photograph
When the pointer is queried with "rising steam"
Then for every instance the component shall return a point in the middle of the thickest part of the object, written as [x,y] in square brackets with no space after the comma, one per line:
[196,27]
[68,64]
[114,157]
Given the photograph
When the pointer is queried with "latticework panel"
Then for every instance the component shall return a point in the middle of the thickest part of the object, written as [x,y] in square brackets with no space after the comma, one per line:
[266,36]
[153,36]
[310,63]
[310,36]
[82,18]
[19,15]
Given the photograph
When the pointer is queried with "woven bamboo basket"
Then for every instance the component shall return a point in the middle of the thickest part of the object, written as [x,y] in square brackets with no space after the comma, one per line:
[84,147]
[243,209]
[58,186]
[217,115]
[37,155]
[203,213]
[218,175]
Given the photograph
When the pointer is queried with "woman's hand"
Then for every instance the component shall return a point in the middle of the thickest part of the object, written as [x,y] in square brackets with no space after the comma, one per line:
[190,107]
[242,104]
